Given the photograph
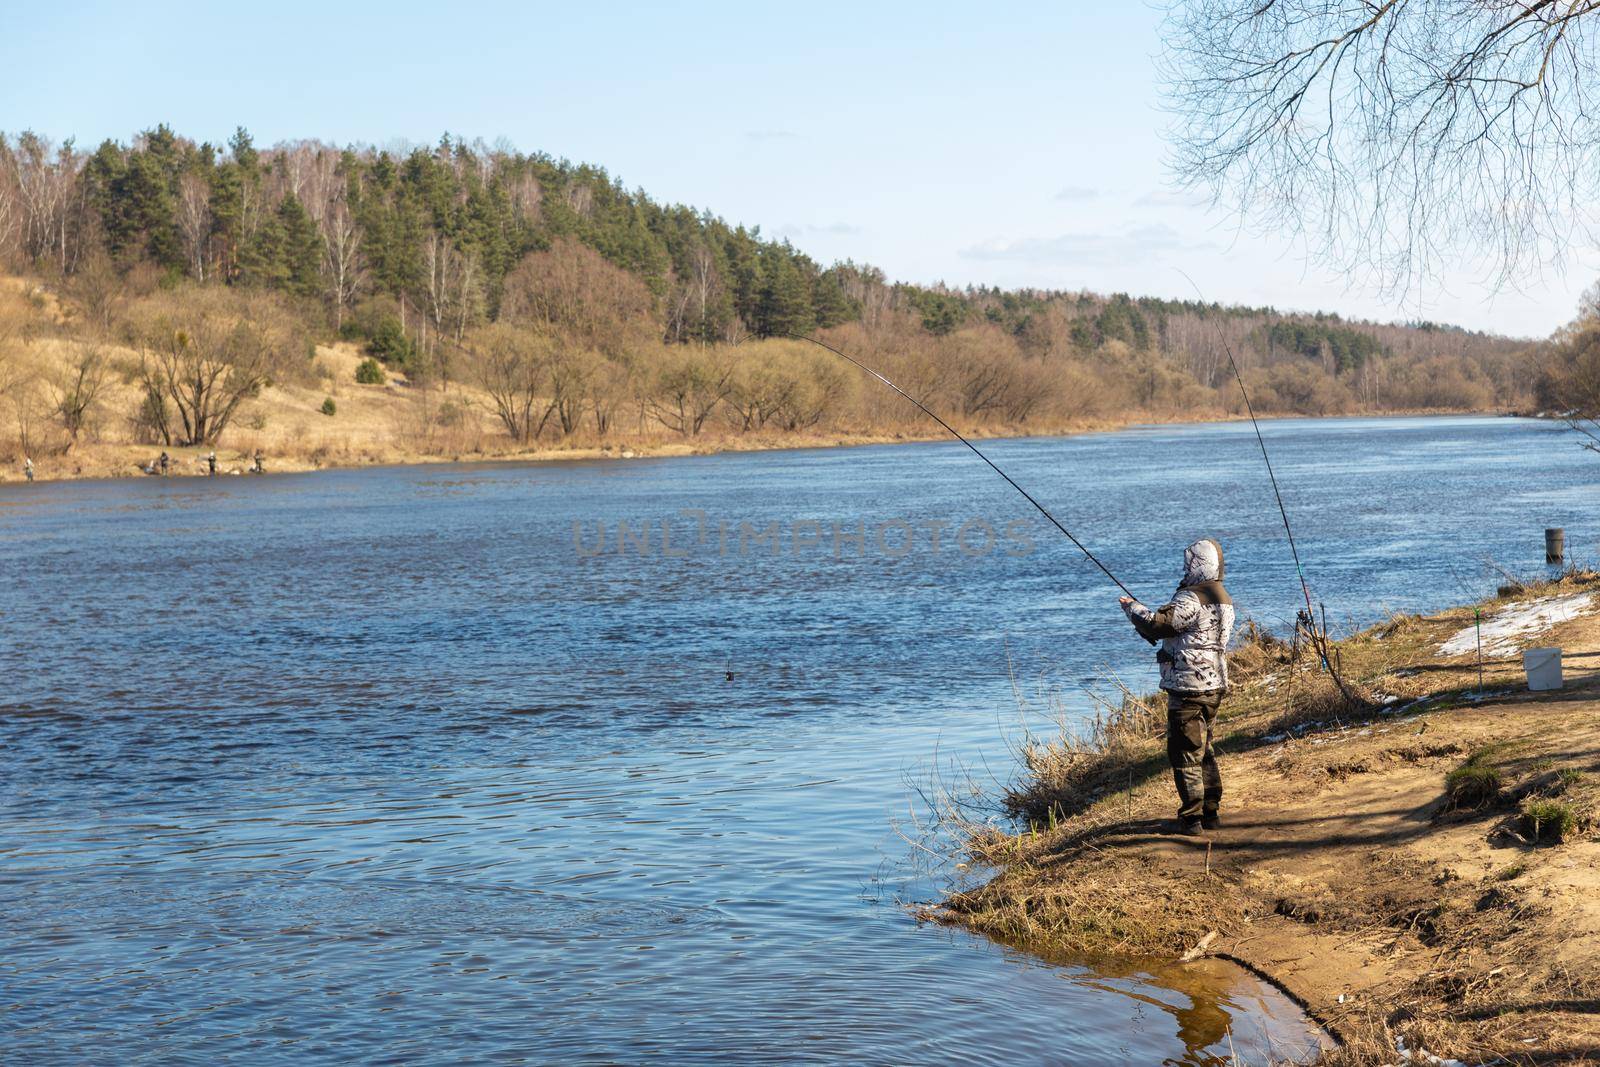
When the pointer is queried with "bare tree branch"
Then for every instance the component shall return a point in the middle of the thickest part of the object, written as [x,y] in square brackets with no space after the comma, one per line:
[1391,135]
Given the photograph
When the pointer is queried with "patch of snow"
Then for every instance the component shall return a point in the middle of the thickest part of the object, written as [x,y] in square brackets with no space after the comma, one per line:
[1504,631]
[1423,1056]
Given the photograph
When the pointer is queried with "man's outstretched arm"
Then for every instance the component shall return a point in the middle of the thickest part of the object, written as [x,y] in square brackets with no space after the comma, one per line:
[1169,620]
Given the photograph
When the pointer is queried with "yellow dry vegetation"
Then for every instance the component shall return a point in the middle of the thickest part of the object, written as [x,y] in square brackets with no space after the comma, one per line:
[1424,867]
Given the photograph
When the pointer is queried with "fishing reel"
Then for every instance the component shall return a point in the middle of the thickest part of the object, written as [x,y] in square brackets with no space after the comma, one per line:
[1304,627]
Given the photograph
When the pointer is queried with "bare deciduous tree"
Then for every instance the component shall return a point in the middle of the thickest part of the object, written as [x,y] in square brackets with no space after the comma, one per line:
[194,221]
[99,291]
[23,396]
[44,177]
[585,299]
[205,355]
[572,375]
[690,387]
[13,369]
[614,383]
[512,365]
[761,389]
[1394,133]
[76,386]
[342,261]
[10,203]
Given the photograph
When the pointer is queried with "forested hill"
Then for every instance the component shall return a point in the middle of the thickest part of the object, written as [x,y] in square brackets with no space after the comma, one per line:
[422,254]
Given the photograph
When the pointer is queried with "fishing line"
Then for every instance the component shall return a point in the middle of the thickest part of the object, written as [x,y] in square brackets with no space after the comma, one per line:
[1319,640]
[956,434]
[1271,476]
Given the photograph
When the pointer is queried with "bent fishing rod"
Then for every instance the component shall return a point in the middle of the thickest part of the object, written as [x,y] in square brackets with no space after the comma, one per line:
[975,451]
[1283,512]
[1318,640]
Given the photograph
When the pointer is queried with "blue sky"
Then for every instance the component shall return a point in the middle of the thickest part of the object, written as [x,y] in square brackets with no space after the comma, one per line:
[1011,144]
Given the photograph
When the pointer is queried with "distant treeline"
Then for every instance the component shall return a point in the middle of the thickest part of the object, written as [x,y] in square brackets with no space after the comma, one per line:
[576,300]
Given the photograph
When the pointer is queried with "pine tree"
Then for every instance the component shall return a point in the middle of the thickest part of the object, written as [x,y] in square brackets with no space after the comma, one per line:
[262,259]
[151,205]
[103,176]
[785,306]
[743,254]
[301,248]
[236,205]
[829,302]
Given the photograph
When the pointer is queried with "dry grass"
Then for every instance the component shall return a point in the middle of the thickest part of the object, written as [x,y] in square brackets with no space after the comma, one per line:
[1109,907]
[1279,690]
[1521,587]
[401,422]
[1476,960]
[1124,743]
[1067,773]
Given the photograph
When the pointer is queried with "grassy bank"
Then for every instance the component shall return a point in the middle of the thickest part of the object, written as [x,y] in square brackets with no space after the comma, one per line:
[399,422]
[1419,867]
[301,439]
[100,374]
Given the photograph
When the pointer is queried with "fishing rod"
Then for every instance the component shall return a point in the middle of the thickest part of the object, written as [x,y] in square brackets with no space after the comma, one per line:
[975,451]
[1319,640]
[1288,530]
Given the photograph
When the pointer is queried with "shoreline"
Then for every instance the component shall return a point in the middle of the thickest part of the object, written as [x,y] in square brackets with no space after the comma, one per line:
[94,461]
[1392,869]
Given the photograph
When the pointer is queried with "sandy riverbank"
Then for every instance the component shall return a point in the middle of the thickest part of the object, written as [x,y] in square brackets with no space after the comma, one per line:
[305,440]
[123,460]
[1401,870]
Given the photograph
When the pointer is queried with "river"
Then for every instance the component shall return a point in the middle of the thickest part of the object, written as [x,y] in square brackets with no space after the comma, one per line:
[436,764]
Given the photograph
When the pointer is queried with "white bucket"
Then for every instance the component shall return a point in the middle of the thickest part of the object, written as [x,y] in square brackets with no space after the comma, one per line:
[1544,668]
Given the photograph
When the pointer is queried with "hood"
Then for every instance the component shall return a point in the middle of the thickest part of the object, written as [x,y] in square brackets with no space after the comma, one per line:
[1202,562]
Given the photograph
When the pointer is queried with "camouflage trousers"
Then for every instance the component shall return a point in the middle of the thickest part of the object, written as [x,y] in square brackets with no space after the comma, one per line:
[1194,766]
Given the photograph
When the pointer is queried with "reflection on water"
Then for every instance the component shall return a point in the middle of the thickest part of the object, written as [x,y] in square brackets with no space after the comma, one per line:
[374,764]
[1214,1007]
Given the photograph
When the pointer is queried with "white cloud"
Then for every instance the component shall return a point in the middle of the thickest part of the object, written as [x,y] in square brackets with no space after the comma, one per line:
[794,230]
[1172,198]
[1077,193]
[1088,247]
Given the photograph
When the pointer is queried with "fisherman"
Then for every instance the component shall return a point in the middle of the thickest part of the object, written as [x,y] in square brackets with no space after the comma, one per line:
[258,468]
[211,463]
[1194,630]
[27,467]
[164,464]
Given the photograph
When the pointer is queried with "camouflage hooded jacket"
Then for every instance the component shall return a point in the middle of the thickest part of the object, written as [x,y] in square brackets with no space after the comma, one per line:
[1194,628]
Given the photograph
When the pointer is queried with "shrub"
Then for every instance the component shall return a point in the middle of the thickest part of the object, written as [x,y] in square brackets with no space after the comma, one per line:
[370,372]
[1472,785]
[328,406]
[390,343]
[1548,820]
[451,414]
[151,422]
